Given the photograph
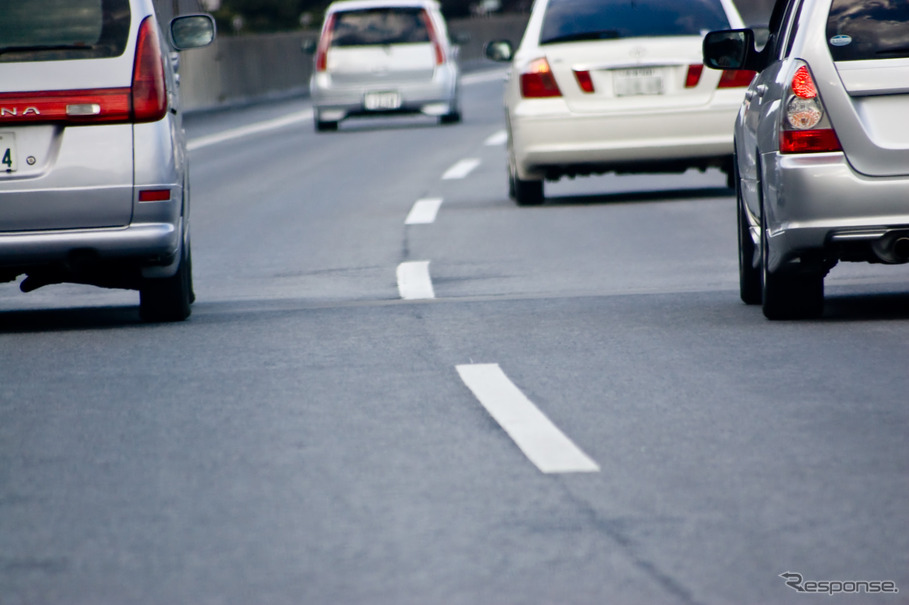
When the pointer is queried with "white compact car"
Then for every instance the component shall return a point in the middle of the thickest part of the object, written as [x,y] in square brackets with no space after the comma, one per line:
[601,86]
[378,57]
[93,180]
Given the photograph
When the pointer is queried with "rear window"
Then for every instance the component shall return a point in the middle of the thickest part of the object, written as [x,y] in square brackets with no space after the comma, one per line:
[54,30]
[859,30]
[380,26]
[571,20]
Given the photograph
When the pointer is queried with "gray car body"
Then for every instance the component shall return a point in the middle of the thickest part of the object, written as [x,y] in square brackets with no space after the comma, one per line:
[70,212]
[826,207]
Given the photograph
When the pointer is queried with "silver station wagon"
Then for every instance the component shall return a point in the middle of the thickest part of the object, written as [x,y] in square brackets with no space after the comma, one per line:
[822,146]
[93,180]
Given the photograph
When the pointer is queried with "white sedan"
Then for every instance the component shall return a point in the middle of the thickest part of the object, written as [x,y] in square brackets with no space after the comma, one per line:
[601,86]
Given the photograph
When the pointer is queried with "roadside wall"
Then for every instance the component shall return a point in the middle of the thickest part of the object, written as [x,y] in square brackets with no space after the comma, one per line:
[238,70]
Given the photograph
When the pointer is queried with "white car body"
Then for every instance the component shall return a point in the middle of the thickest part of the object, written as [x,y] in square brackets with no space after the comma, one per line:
[641,115]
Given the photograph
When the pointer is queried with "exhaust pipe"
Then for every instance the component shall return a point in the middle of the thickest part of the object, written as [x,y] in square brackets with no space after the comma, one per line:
[901,248]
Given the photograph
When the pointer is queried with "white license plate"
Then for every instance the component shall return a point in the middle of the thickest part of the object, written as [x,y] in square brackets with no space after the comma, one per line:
[382,101]
[643,81]
[7,152]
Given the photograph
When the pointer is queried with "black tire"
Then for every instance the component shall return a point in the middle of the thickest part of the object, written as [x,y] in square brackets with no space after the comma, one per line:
[324,125]
[169,298]
[797,295]
[749,275]
[528,193]
[524,193]
[450,118]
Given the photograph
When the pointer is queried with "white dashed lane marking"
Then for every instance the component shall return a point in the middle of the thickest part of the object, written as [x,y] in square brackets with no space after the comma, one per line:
[414,282]
[461,169]
[540,440]
[424,211]
[499,138]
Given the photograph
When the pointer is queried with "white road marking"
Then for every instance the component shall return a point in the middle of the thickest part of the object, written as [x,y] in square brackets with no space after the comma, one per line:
[484,76]
[540,440]
[499,138]
[424,211]
[461,169]
[244,131]
[414,282]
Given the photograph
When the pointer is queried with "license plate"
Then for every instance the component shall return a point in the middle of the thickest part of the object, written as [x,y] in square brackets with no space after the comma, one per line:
[7,152]
[382,101]
[642,81]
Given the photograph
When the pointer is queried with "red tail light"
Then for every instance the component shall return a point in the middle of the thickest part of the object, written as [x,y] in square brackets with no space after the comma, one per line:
[584,80]
[805,128]
[149,88]
[144,101]
[537,81]
[324,44]
[694,75]
[736,78]
[433,37]
[66,106]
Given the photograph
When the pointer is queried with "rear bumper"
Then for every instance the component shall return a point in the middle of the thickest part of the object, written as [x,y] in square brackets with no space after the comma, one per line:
[551,141]
[818,205]
[148,244]
[437,96]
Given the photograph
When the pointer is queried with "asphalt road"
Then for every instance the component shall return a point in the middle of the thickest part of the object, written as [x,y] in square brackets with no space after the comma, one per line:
[400,388]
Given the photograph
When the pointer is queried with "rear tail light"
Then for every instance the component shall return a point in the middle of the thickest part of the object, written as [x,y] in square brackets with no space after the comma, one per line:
[324,44]
[149,90]
[736,78]
[694,75]
[433,37]
[144,101]
[805,127]
[538,82]
[584,80]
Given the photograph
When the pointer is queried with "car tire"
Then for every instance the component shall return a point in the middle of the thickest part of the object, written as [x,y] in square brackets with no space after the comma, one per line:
[524,193]
[169,298]
[797,295]
[325,125]
[749,275]
[450,118]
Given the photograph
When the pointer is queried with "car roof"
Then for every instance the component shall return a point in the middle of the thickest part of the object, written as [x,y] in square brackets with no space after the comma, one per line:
[365,4]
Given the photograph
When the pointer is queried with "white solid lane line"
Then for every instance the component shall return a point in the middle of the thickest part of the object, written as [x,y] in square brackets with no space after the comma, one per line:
[414,282]
[244,131]
[461,169]
[424,211]
[540,440]
[499,138]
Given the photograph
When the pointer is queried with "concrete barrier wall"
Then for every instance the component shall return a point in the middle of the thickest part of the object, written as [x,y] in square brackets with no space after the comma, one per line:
[243,69]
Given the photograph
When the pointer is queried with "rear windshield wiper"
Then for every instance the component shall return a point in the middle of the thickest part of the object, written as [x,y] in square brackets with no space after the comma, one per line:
[605,34]
[44,47]
[897,50]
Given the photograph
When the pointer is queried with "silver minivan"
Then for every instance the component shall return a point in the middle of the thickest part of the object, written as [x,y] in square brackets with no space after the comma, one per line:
[93,178]
[822,146]
[378,57]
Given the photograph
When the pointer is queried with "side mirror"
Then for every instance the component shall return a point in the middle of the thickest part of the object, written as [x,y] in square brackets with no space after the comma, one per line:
[192,31]
[499,50]
[729,49]
[308,46]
